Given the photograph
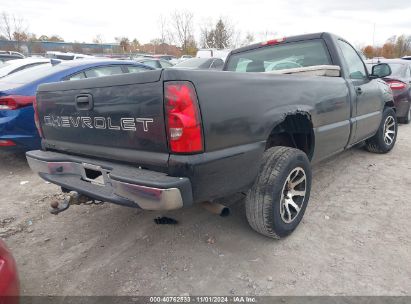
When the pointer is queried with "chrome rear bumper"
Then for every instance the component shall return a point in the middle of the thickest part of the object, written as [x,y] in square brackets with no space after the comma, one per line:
[117,183]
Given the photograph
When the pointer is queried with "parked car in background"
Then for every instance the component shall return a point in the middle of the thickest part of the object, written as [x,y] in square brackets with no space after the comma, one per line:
[407,57]
[170,58]
[6,55]
[18,92]
[201,64]
[9,279]
[66,56]
[13,66]
[154,63]
[164,57]
[185,57]
[400,84]
[218,53]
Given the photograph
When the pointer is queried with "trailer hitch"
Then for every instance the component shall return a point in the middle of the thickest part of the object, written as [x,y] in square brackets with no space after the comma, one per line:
[72,198]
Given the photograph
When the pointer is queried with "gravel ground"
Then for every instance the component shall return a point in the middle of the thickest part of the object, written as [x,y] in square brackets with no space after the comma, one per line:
[354,238]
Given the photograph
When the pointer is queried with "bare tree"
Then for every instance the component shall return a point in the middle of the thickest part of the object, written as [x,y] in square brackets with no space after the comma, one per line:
[248,39]
[207,34]
[10,24]
[164,33]
[6,26]
[98,39]
[13,28]
[402,45]
[182,25]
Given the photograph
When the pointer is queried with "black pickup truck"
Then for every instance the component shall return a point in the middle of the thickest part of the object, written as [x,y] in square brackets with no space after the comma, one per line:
[167,139]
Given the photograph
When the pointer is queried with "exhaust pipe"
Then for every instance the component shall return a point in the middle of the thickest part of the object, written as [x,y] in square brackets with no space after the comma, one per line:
[216,208]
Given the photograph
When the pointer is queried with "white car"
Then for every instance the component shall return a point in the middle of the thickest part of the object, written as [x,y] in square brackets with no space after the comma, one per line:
[184,57]
[15,65]
[207,53]
[66,56]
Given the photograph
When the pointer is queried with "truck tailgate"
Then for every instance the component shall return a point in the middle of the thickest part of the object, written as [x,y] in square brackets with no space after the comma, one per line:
[93,116]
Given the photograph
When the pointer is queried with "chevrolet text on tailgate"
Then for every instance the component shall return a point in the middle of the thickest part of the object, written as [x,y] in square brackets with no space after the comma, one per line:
[167,139]
[125,123]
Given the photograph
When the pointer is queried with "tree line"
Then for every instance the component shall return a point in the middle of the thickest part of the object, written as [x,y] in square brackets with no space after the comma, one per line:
[178,29]
[176,35]
[394,47]
[175,30]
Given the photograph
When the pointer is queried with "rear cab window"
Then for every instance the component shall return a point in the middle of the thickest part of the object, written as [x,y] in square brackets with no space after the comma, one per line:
[281,56]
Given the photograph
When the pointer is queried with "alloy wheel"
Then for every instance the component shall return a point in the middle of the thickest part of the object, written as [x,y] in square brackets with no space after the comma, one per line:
[293,195]
[389,130]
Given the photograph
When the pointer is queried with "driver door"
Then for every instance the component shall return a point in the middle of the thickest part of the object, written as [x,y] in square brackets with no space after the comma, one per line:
[365,94]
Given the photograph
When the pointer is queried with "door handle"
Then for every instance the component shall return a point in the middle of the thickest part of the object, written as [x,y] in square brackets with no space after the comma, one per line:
[84,101]
[358,90]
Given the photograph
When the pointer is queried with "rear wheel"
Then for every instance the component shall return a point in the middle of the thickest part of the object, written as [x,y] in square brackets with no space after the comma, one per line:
[277,201]
[384,140]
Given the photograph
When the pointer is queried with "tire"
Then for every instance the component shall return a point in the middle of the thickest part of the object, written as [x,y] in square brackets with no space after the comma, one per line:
[405,120]
[383,142]
[265,202]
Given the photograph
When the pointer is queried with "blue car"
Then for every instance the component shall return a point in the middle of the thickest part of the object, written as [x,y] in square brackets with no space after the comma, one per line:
[18,91]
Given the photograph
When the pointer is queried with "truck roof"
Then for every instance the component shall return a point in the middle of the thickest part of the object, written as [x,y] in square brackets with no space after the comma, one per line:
[287,39]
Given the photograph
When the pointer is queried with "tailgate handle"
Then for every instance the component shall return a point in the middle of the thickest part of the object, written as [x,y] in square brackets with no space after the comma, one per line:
[84,102]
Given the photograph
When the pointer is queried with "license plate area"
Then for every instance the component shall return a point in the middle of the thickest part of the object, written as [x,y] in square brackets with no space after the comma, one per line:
[94,174]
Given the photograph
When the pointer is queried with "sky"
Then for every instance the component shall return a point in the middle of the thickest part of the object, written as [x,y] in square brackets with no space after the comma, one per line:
[81,21]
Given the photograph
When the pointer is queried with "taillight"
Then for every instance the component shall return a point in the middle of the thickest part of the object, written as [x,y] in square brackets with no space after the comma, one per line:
[396,85]
[14,102]
[36,118]
[273,41]
[7,143]
[183,117]
[9,282]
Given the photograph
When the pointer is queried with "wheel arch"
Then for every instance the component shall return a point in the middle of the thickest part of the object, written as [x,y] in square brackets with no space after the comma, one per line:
[390,104]
[294,130]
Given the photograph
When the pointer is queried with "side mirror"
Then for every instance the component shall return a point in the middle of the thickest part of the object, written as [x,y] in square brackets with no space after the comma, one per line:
[381,70]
